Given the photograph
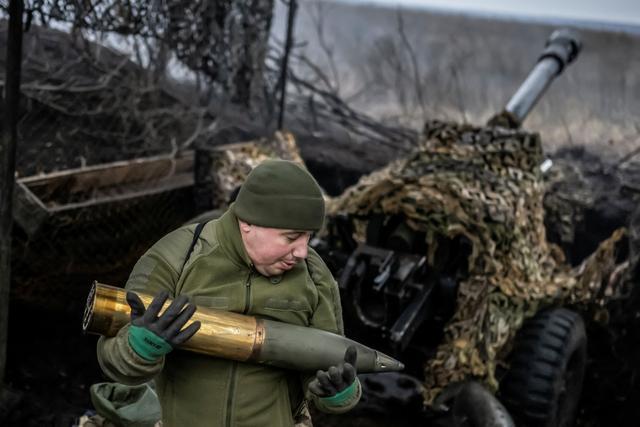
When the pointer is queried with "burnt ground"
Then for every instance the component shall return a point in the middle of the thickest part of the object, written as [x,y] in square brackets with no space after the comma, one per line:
[51,364]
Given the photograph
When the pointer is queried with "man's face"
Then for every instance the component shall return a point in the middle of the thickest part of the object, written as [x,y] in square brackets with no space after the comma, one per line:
[273,250]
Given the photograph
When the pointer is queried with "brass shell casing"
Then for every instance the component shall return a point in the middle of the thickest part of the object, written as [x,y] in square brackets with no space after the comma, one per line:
[239,337]
[222,333]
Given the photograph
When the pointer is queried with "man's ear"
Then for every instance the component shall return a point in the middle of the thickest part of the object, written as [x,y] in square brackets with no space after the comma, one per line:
[245,227]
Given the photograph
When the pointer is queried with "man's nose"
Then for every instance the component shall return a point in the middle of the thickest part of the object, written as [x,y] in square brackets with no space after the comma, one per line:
[300,250]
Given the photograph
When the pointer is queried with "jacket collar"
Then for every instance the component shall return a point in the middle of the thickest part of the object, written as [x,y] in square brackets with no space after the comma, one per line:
[230,239]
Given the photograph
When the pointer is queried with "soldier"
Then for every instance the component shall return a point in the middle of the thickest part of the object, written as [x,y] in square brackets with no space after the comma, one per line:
[254,260]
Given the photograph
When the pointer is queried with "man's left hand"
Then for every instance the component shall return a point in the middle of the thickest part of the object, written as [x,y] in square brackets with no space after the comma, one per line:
[337,378]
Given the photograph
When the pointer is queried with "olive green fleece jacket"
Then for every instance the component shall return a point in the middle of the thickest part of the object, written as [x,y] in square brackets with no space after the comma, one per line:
[202,390]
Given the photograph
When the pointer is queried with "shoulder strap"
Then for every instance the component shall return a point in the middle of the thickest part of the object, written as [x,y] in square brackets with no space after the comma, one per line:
[196,234]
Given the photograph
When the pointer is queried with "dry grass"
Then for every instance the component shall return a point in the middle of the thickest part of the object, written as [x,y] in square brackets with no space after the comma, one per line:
[416,65]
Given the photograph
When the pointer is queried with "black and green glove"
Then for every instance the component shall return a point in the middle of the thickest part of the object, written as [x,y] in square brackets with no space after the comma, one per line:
[151,335]
[337,384]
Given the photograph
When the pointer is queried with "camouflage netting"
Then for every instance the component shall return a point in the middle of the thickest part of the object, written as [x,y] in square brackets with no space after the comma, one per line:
[232,166]
[483,184]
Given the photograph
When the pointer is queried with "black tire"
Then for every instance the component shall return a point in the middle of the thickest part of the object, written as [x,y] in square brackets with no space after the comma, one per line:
[476,407]
[543,384]
[469,404]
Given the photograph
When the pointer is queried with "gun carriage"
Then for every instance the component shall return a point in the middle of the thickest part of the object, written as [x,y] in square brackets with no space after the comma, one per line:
[407,270]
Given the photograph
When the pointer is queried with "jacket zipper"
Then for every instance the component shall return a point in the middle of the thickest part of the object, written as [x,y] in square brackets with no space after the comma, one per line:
[247,298]
[234,366]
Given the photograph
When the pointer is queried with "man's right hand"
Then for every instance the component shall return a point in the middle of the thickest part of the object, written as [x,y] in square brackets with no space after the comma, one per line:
[151,335]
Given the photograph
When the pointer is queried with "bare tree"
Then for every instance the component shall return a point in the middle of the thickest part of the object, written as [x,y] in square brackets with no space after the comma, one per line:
[224,41]
[318,13]
[415,69]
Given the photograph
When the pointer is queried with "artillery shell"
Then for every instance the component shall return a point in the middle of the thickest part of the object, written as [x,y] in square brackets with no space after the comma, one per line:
[239,337]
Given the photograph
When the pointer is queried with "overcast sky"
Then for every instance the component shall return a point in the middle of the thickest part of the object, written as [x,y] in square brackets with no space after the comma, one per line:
[609,11]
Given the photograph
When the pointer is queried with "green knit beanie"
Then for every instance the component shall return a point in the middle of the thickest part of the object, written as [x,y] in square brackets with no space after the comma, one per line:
[280,194]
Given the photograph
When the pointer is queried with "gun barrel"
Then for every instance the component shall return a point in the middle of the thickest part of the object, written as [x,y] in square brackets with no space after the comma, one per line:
[562,48]
[238,337]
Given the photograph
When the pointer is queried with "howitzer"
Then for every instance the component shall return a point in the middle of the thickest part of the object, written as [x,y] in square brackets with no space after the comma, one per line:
[387,289]
[562,48]
[443,234]
[239,337]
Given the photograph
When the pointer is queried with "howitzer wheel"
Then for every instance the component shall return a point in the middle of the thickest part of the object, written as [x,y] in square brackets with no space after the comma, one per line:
[543,385]
[469,404]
